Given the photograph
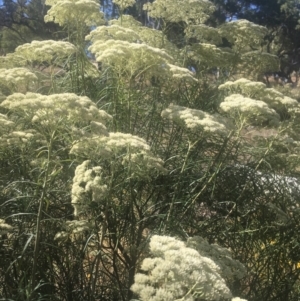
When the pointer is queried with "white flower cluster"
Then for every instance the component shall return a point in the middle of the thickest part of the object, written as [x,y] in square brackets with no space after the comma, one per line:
[17,78]
[15,138]
[5,63]
[78,12]
[107,147]
[142,164]
[45,51]
[72,229]
[254,111]
[94,131]
[10,136]
[126,21]
[135,59]
[258,90]
[191,11]
[132,151]
[113,32]
[49,109]
[128,29]
[258,62]
[204,34]
[230,268]
[11,60]
[176,272]
[242,34]
[196,120]
[210,55]
[2,96]
[87,186]
[179,73]
[157,39]
[132,33]
[98,128]
[243,86]
[5,228]
[123,4]
[5,124]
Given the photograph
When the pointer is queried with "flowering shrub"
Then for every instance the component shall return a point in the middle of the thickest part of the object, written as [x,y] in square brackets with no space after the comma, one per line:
[103,155]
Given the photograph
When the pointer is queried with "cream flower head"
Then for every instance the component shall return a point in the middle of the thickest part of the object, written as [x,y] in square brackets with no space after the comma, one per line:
[47,50]
[176,272]
[254,111]
[196,120]
[84,12]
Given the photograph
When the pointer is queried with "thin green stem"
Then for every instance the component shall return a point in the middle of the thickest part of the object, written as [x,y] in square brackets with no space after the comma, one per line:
[40,215]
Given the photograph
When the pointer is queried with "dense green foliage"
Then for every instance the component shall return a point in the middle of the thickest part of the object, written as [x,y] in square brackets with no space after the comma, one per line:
[167,133]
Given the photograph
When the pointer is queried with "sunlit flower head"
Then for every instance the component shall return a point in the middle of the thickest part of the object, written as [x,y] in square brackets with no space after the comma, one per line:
[179,73]
[143,164]
[258,90]
[210,55]
[195,120]
[87,186]
[17,79]
[257,62]
[132,58]
[17,138]
[126,21]
[123,4]
[47,50]
[55,108]
[110,146]
[113,32]
[81,12]
[191,11]
[5,228]
[176,272]
[243,34]
[5,123]
[11,60]
[229,268]
[254,111]
[204,34]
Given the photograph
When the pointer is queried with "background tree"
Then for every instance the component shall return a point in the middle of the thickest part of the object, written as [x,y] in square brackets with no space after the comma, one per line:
[22,22]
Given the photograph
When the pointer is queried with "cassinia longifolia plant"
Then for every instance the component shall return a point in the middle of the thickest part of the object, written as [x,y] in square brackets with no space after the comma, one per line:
[98,158]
